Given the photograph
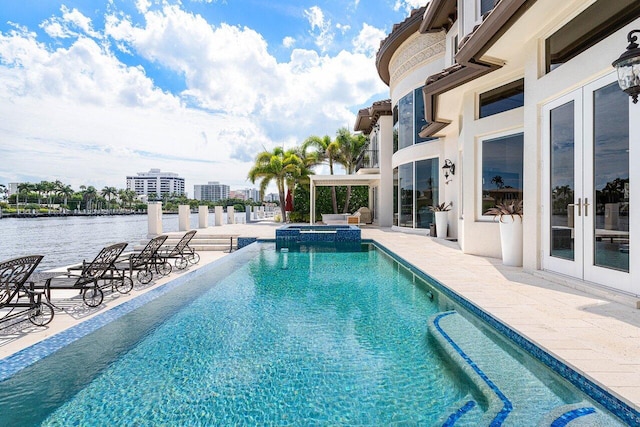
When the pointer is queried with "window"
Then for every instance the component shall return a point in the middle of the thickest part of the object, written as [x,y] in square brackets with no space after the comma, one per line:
[405,121]
[502,170]
[420,121]
[408,120]
[395,128]
[405,183]
[426,191]
[486,6]
[501,99]
[395,196]
[595,23]
[415,189]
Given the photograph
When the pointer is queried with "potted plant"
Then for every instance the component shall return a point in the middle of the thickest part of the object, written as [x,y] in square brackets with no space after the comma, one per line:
[440,212]
[509,215]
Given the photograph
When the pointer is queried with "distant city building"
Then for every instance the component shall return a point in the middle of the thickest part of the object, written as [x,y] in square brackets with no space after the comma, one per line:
[157,182]
[251,194]
[237,194]
[271,197]
[211,192]
[13,188]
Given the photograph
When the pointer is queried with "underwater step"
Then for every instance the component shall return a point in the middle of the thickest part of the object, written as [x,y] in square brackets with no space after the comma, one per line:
[518,390]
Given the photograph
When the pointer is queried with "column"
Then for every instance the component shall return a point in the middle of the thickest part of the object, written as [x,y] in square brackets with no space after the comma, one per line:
[154,218]
[219,213]
[231,215]
[203,216]
[184,214]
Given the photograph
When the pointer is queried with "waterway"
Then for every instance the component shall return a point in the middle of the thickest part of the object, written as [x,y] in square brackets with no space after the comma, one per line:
[69,240]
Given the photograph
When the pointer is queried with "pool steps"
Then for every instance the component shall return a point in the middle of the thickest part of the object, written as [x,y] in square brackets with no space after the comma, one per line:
[477,356]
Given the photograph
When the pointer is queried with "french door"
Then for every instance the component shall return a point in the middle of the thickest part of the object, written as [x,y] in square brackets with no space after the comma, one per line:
[587,213]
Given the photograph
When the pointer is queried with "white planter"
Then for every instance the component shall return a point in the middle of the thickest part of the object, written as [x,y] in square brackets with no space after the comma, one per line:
[511,240]
[441,224]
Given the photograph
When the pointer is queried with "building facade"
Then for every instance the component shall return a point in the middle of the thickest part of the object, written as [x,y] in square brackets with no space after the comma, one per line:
[211,192]
[156,182]
[515,100]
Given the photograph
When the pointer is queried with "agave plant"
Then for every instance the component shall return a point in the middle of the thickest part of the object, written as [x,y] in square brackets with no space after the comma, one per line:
[442,207]
[512,209]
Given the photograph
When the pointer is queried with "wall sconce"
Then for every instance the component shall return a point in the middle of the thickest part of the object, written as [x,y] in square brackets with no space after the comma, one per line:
[628,67]
[448,168]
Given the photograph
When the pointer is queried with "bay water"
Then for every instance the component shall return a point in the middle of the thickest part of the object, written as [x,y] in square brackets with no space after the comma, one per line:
[70,240]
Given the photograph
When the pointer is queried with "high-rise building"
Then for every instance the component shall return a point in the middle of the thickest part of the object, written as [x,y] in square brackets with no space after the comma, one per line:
[211,192]
[156,182]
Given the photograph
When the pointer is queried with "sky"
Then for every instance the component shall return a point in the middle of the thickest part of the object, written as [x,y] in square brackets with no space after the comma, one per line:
[94,90]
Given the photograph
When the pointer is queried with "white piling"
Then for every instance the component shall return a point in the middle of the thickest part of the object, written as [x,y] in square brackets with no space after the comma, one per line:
[219,213]
[154,218]
[231,215]
[184,220]
[203,216]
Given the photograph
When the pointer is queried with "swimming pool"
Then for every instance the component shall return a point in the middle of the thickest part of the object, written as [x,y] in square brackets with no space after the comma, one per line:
[316,336]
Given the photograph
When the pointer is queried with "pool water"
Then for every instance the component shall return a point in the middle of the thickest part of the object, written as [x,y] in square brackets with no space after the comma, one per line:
[266,338]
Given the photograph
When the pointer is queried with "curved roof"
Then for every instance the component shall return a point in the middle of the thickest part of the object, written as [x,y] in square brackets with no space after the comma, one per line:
[400,33]
[368,117]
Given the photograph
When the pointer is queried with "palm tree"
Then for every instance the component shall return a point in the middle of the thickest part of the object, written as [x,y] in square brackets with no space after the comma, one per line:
[89,195]
[350,147]
[279,166]
[498,181]
[131,196]
[23,188]
[39,189]
[48,188]
[64,191]
[108,192]
[328,151]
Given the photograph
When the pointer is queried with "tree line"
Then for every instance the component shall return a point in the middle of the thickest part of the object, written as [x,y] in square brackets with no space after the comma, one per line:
[290,169]
[57,196]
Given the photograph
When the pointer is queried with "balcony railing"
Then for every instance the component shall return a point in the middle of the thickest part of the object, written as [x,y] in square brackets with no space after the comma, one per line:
[368,159]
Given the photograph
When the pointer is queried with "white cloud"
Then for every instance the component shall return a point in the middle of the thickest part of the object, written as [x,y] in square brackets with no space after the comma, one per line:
[82,113]
[68,25]
[288,42]
[409,5]
[368,40]
[320,27]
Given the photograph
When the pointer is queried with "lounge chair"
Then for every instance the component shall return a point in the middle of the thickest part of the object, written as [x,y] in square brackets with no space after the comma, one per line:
[145,261]
[87,277]
[354,219]
[15,294]
[181,252]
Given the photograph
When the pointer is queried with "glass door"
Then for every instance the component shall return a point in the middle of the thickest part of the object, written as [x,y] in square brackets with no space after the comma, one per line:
[587,180]
[606,178]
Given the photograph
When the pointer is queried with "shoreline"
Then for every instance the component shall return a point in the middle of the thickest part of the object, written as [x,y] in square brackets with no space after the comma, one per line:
[74,214]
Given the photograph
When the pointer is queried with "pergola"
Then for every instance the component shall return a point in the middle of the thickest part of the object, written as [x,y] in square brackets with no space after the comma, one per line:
[369,180]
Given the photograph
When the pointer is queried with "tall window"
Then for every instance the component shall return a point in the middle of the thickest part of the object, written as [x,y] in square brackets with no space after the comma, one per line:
[395,196]
[420,121]
[426,191]
[415,189]
[408,120]
[405,178]
[502,170]
[405,121]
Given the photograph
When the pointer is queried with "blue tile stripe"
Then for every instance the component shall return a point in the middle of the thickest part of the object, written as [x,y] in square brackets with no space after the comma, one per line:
[507,406]
[614,405]
[453,418]
[567,417]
